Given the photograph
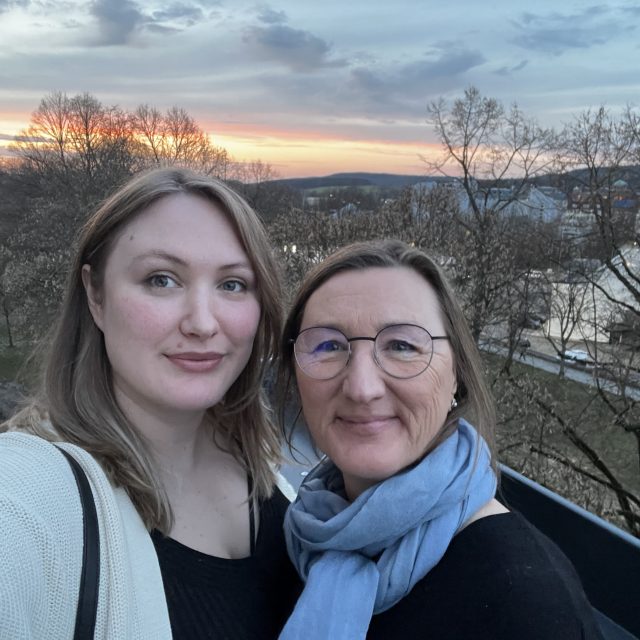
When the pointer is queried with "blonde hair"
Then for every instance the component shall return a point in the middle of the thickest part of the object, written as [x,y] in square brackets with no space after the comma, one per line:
[472,395]
[76,391]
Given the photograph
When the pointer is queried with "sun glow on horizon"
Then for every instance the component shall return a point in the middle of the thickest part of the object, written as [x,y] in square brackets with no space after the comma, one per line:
[304,156]
[293,154]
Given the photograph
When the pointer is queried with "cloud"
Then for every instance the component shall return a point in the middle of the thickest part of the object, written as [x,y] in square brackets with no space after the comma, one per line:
[18,138]
[507,71]
[118,20]
[162,29]
[190,14]
[418,77]
[6,5]
[270,16]
[298,49]
[556,33]
[388,94]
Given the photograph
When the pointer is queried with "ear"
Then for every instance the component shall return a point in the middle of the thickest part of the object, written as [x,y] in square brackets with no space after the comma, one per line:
[455,379]
[94,299]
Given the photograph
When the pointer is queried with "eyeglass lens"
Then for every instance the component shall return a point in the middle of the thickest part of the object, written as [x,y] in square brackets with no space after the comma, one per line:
[402,351]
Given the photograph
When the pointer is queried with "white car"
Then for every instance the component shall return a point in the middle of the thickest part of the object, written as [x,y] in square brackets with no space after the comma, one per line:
[577,355]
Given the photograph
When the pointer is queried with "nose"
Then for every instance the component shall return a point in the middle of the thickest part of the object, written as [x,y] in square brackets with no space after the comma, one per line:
[199,317]
[363,379]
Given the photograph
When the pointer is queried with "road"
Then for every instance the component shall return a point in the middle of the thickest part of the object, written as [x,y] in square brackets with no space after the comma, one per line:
[572,371]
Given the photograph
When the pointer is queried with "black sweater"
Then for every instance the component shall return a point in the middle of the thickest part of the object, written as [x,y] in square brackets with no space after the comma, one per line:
[245,599]
[500,579]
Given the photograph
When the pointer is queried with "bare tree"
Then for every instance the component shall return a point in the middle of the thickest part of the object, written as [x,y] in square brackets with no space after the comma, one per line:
[569,309]
[600,150]
[494,153]
[175,138]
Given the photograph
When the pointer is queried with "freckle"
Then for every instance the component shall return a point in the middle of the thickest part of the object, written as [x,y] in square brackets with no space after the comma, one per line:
[131,237]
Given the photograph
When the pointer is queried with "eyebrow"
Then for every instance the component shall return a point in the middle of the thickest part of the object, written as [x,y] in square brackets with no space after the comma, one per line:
[163,255]
[170,257]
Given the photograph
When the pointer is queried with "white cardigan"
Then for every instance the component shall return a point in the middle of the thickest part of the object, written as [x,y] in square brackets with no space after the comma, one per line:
[41,549]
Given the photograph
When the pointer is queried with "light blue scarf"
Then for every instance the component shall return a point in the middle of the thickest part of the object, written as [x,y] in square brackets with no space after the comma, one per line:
[361,558]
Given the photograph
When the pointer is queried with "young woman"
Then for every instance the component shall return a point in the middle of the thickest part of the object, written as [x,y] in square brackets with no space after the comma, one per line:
[153,383]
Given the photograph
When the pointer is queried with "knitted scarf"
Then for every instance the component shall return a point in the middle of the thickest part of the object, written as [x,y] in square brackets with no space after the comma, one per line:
[361,558]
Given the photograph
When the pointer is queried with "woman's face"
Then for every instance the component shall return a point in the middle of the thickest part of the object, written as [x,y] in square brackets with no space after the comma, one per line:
[370,424]
[178,308]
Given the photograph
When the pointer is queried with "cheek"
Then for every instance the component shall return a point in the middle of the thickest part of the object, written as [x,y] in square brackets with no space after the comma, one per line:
[429,401]
[129,318]
[242,321]
[311,403]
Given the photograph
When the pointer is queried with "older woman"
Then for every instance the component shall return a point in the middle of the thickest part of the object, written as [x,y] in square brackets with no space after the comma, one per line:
[397,532]
[153,384]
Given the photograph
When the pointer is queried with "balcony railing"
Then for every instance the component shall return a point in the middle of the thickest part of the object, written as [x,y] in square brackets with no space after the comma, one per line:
[606,558]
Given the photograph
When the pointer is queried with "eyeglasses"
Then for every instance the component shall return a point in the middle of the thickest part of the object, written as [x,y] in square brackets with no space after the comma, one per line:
[400,350]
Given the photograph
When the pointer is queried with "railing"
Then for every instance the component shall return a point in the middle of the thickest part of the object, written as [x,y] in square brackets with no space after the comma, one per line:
[606,558]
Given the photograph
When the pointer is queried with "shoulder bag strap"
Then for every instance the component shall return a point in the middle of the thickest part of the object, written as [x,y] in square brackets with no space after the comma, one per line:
[90,576]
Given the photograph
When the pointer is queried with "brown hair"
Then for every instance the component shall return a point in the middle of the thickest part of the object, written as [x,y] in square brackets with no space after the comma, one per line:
[76,391]
[473,396]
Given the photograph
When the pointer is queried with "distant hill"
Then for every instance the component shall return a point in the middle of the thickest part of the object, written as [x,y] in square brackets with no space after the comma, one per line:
[384,180]
[397,181]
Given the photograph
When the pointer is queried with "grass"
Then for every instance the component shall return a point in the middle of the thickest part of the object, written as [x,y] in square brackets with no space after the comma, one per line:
[584,410]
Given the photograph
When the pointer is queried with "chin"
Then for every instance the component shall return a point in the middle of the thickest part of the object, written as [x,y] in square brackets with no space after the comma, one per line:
[192,404]
[370,474]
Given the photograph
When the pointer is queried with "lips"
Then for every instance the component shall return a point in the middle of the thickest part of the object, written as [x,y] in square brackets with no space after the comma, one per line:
[367,425]
[195,361]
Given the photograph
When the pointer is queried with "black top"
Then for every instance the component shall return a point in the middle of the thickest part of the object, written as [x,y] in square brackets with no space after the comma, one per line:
[249,598]
[500,579]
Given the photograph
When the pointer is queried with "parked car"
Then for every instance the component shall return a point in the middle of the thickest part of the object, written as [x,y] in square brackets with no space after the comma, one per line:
[577,355]
[533,322]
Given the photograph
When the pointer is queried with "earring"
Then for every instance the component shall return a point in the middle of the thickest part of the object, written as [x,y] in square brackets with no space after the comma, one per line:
[454,404]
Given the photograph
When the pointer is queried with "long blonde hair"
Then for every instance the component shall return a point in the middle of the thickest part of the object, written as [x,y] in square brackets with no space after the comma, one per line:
[76,391]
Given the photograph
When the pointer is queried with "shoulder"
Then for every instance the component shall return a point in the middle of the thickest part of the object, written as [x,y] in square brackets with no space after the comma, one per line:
[29,464]
[37,484]
[516,557]
[519,577]
[41,532]
[501,579]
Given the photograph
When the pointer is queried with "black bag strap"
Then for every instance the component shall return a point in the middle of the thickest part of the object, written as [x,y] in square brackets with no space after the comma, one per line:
[90,575]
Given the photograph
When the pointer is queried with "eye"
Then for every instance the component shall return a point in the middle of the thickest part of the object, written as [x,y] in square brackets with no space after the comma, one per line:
[399,345]
[328,346]
[161,281]
[234,286]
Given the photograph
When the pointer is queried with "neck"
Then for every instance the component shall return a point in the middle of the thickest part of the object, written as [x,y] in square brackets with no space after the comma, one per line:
[353,487]
[177,438]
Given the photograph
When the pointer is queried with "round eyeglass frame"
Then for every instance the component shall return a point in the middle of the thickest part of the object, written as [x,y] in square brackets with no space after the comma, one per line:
[373,339]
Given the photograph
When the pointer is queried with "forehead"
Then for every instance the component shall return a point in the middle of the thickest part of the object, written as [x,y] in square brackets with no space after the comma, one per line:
[190,226]
[373,298]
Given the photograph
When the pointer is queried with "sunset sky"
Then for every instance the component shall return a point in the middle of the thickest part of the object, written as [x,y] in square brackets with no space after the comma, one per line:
[314,88]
